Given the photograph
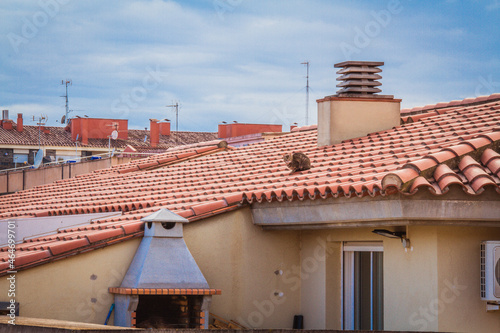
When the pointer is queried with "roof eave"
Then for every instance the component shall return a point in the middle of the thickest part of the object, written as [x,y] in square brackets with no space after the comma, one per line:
[456,208]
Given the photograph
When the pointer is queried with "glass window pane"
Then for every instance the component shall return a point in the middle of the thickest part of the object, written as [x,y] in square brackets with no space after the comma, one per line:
[20,158]
[363,290]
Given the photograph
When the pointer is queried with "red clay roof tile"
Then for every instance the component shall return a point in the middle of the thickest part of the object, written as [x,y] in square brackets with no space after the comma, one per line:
[68,245]
[467,162]
[479,142]
[104,234]
[479,182]
[423,164]
[421,182]
[447,180]
[460,149]
[27,257]
[209,206]
[442,156]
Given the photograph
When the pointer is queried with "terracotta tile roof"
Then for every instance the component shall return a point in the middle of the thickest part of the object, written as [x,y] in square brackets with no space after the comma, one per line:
[458,147]
[136,138]
[59,137]
[452,104]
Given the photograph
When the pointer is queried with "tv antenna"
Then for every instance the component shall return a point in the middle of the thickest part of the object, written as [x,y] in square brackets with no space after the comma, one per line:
[66,82]
[176,106]
[307,91]
[41,120]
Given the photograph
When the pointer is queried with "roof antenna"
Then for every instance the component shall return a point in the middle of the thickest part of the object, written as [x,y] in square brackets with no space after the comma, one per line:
[176,106]
[307,91]
[67,82]
[42,120]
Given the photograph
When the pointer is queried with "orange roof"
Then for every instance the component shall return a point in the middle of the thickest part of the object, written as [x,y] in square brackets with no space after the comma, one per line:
[455,147]
[452,104]
[59,137]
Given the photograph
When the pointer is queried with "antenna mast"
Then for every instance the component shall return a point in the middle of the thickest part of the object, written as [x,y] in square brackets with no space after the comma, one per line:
[67,82]
[42,119]
[307,91]
[176,106]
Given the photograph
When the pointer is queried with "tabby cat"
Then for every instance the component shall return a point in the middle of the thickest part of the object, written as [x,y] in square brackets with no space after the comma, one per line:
[297,162]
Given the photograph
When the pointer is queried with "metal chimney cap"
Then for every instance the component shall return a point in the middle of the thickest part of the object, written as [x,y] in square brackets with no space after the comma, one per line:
[359,63]
[164,215]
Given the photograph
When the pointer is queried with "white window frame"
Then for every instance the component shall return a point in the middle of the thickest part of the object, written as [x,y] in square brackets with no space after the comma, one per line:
[348,249]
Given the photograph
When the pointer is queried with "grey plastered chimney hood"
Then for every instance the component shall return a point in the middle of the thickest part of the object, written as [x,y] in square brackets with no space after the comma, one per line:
[163,259]
[163,266]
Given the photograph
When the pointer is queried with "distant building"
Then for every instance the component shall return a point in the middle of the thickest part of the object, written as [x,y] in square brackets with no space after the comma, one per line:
[85,137]
[241,135]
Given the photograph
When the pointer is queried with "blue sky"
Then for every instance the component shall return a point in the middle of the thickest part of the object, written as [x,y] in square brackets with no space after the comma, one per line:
[226,60]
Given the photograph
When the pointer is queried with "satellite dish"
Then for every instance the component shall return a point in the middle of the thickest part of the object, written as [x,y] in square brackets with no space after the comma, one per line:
[114,135]
[77,137]
[63,119]
[38,158]
[145,138]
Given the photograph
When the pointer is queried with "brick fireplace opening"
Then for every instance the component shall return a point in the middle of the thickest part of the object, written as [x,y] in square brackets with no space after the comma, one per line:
[160,311]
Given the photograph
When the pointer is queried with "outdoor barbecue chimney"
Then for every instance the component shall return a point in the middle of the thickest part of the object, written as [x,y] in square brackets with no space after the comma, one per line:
[356,110]
[163,287]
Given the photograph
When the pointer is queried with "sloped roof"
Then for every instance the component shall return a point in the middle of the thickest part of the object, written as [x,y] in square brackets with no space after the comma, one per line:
[59,137]
[432,108]
[458,147]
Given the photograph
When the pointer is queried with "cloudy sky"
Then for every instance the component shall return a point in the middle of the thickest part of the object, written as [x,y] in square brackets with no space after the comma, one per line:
[226,60]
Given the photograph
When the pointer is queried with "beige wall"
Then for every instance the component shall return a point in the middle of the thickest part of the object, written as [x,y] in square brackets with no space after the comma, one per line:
[241,259]
[76,288]
[233,254]
[321,255]
[49,174]
[343,118]
[459,304]
[432,287]
[410,280]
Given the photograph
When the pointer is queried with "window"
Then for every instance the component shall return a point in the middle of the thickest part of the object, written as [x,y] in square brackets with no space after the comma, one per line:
[6,308]
[20,158]
[363,286]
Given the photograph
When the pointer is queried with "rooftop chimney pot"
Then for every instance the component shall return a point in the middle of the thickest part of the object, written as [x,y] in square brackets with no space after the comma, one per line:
[154,133]
[359,79]
[356,109]
[19,125]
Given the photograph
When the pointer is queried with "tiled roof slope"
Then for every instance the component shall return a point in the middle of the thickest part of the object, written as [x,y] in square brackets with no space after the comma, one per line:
[59,137]
[444,105]
[459,147]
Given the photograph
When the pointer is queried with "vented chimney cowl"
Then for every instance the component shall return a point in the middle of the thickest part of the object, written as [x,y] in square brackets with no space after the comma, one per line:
[357,109]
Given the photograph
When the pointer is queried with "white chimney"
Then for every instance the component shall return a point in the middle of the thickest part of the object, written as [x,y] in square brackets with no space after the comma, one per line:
[356,110]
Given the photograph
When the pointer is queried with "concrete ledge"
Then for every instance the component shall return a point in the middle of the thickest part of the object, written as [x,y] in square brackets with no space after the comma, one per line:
[33,329]
[24,324]
[422,208]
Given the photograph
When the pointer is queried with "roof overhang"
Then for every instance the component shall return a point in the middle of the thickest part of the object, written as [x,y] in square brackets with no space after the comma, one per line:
[456,208]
